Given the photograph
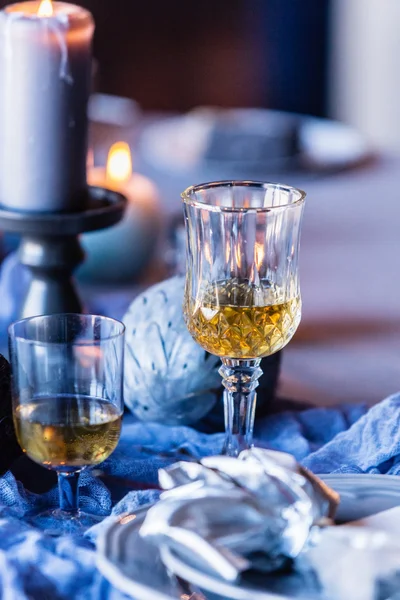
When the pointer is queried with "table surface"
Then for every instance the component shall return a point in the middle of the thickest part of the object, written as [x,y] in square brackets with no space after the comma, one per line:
[348,345]
[347,348]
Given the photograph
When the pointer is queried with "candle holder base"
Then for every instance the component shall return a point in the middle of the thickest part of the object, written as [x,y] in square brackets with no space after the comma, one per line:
[51,250]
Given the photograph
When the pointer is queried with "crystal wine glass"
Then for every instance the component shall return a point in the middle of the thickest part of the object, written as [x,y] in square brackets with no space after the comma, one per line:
[67,401]
[242,296]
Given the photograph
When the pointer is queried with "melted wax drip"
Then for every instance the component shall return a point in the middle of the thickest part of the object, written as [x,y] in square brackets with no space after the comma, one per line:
[58,24]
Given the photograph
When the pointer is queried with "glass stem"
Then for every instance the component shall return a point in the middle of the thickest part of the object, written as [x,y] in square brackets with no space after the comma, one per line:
[68,492]
[240,379]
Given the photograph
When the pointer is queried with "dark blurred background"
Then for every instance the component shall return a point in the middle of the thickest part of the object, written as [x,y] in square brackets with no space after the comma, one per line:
[179,54]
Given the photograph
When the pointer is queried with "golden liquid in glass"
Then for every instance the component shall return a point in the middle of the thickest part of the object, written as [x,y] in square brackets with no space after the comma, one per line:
[237,320]
[69,430]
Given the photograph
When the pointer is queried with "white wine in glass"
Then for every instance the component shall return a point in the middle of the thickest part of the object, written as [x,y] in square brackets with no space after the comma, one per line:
[68,430]
[242,294]
[67,372]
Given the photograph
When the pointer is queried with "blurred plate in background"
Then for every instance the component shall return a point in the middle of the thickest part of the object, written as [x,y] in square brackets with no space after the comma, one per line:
[243,142]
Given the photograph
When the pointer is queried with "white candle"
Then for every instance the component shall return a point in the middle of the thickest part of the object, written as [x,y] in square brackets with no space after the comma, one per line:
[120,253]
[45,68]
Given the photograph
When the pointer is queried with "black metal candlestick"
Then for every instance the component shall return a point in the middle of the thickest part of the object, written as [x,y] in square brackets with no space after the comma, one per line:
[51,250]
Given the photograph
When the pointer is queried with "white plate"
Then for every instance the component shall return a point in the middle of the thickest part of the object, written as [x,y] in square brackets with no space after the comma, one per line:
[364,495]
[132,565]
[135,567]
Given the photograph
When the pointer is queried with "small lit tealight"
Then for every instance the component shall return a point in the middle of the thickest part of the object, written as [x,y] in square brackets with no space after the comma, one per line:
[118,254]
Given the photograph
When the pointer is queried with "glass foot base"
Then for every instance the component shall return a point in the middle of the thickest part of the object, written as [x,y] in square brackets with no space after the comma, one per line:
[57,522]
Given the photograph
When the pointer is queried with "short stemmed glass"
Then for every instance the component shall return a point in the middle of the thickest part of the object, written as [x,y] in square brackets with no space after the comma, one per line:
[242,295]
[67,401]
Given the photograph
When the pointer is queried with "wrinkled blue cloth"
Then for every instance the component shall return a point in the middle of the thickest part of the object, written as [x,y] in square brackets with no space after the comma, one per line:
[33,565]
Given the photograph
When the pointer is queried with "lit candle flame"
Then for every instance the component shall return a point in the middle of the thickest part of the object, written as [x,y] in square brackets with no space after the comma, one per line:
[45,9]
[119,163]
